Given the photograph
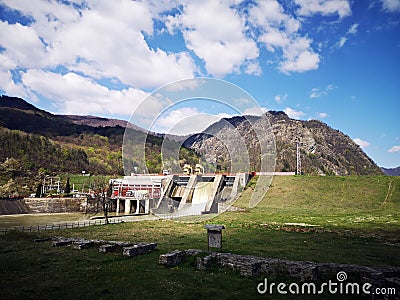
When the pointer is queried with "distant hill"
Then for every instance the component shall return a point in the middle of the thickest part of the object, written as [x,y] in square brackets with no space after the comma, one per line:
[17,103]
[56,143]
[94,121]
[323,149]
[391,171]
[16,113]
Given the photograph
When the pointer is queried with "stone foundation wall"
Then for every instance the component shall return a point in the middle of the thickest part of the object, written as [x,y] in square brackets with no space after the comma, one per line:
[49,205]
[13,207]
[56,205]
[303,271]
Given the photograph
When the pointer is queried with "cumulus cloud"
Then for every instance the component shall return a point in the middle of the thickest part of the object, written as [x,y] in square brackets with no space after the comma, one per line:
[185,121]
[184,85]
[215,32]
[391,5]
[394,149]
[9,87]
[299,60]
[99,39]
[79,45]
[75,94]
[22,45]
[294,114]
[324,7]
[280,32]
[361,143]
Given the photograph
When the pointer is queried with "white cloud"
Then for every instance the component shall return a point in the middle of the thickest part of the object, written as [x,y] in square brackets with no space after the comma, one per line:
[299,61]
[75,94]
[280,31]
[391,5]
[394,149]
[22,45]
[185,121]
[361,143]
[215,33]
[341,42]
[184,85]
[253,68]
[103,40]
[255,111]
[16,89]
[294,114]
[322,115]
[317,93]
[352,31]
[324,7]
[95,41]
[280,98]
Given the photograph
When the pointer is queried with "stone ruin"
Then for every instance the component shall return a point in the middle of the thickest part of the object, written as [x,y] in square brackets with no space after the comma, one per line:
[303,271]
[128,249]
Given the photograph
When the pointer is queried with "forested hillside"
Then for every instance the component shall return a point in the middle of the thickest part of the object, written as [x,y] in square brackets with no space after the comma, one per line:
[34,143]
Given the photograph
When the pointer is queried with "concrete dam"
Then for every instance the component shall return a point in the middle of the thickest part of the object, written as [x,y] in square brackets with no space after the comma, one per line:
[189,195]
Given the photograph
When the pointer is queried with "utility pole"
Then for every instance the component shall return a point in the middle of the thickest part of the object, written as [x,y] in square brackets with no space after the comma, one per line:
[298,159]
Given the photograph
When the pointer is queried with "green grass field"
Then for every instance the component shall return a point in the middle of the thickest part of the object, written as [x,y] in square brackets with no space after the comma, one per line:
[356,220]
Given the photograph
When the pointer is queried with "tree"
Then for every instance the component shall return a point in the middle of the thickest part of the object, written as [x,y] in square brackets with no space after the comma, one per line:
[100,194]
[67,189]
[39,190]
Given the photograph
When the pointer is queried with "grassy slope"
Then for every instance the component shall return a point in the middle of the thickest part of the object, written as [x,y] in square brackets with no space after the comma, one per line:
[357,227]
[353,202]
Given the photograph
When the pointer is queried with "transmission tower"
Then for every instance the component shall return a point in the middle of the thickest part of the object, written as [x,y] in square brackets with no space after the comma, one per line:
[298,159]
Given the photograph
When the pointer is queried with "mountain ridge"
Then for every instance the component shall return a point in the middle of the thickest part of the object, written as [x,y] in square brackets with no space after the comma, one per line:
[96,146]
[324,150]
[392,171]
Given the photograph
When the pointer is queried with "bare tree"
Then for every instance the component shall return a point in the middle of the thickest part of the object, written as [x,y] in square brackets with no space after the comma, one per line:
[100,189]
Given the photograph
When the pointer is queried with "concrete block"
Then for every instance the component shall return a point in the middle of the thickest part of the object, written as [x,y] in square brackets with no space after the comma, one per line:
[107,248]
[82,245]
[139,249]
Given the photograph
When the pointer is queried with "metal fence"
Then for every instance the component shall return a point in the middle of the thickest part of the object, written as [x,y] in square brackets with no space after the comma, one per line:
[4,231]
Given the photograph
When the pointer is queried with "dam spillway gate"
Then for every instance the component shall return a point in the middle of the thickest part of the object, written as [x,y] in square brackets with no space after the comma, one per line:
[189,195]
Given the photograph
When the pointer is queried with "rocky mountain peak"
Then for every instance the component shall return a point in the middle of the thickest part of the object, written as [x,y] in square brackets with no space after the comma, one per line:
[323,150]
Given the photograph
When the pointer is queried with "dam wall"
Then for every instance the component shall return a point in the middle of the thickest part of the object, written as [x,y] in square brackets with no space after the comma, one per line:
[186,195]
[47,205]
[13,207]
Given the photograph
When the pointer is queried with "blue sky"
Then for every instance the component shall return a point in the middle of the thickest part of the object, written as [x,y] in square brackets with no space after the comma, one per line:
[332,60]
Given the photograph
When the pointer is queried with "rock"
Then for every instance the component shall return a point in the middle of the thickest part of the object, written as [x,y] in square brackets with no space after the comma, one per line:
[323,150]
[193,252]
[82,245]
[173,258]
[120,244]
[62,242]
[176,257]
[139,249]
